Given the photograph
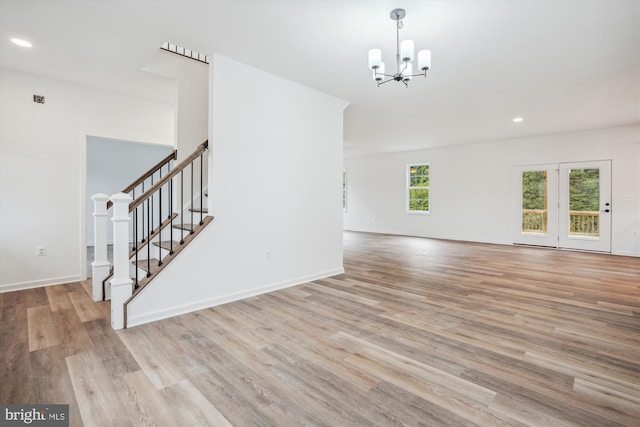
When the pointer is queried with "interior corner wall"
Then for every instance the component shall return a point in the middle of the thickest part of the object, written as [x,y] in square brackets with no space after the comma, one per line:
[470,188]
[274,190]
[42,169]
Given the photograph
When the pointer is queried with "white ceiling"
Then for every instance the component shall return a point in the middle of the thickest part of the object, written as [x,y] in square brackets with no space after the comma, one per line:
[563,65]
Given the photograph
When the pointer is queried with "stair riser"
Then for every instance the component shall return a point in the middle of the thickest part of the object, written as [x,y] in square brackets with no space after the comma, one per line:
[141,272]
[195,205]
[155,252]
[132,272]
[187,218]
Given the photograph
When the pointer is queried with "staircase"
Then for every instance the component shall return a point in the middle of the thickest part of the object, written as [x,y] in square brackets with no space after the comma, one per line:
[154,218]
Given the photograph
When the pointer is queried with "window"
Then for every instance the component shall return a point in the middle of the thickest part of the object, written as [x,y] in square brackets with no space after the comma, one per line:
[344,190]
[418,188]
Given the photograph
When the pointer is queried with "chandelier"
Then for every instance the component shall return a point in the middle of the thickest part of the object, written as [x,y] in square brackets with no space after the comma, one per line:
[404,56]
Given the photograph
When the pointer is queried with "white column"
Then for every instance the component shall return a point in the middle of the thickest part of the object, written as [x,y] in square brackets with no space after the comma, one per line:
[121,283]
[100,266]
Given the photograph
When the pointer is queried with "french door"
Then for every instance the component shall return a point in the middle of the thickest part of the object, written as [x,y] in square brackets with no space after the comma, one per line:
[564,205]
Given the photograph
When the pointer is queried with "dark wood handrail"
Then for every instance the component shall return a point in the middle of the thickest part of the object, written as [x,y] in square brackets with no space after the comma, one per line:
[147,174]
[182,165]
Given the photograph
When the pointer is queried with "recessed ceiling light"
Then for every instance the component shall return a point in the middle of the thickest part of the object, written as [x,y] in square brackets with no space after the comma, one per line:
[517,119]
[21,42]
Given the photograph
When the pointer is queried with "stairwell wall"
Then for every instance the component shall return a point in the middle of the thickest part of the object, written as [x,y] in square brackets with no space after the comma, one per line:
[192,98]
[274,190]
[42,169]
[192,101]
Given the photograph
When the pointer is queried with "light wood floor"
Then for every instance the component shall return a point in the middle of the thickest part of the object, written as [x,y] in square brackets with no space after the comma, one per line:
[417,332]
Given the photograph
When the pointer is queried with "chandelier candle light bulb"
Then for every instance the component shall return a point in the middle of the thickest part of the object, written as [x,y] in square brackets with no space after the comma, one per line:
[408,72]
[424,60]
[375,58]
[404,56]
[406,50]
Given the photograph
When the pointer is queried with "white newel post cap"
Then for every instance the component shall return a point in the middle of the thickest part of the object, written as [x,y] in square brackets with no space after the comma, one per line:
[100,197]
[100,204]
[121,200]
[121,197]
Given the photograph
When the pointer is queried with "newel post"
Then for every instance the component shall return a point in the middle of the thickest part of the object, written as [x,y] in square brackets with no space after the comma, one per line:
[121,283]
[100,266]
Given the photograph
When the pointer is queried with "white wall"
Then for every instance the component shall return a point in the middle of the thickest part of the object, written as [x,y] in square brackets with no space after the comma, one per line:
[192,80]
[470,197]
[42,169]
[275,185]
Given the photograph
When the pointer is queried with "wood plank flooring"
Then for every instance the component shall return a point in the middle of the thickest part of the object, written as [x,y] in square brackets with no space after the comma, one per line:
[417,332]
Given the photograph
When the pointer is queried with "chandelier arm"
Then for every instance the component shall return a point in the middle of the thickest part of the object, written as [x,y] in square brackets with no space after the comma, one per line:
[386,81]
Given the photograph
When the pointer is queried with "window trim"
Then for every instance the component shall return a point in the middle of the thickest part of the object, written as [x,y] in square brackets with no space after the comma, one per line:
[408,188]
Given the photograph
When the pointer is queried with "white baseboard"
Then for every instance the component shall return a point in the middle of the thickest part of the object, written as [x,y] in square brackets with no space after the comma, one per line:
[135,320]
[39,283]
[624,253]
[494,242]
[443,237]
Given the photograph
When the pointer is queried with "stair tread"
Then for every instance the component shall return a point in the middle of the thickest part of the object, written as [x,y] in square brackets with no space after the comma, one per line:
[164,224]
[187,226]
[143,265]
[166,244]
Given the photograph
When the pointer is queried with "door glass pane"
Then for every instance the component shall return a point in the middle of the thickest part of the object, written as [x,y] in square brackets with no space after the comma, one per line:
[584,202]
[534,202]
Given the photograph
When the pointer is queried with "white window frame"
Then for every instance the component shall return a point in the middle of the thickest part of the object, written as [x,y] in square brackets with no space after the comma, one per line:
[408,188]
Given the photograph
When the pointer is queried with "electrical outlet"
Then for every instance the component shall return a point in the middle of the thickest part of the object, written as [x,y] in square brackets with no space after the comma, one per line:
[267,255]
[41,251]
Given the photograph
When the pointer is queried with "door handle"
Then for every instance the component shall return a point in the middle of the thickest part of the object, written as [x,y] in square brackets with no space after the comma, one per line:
[605,210]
